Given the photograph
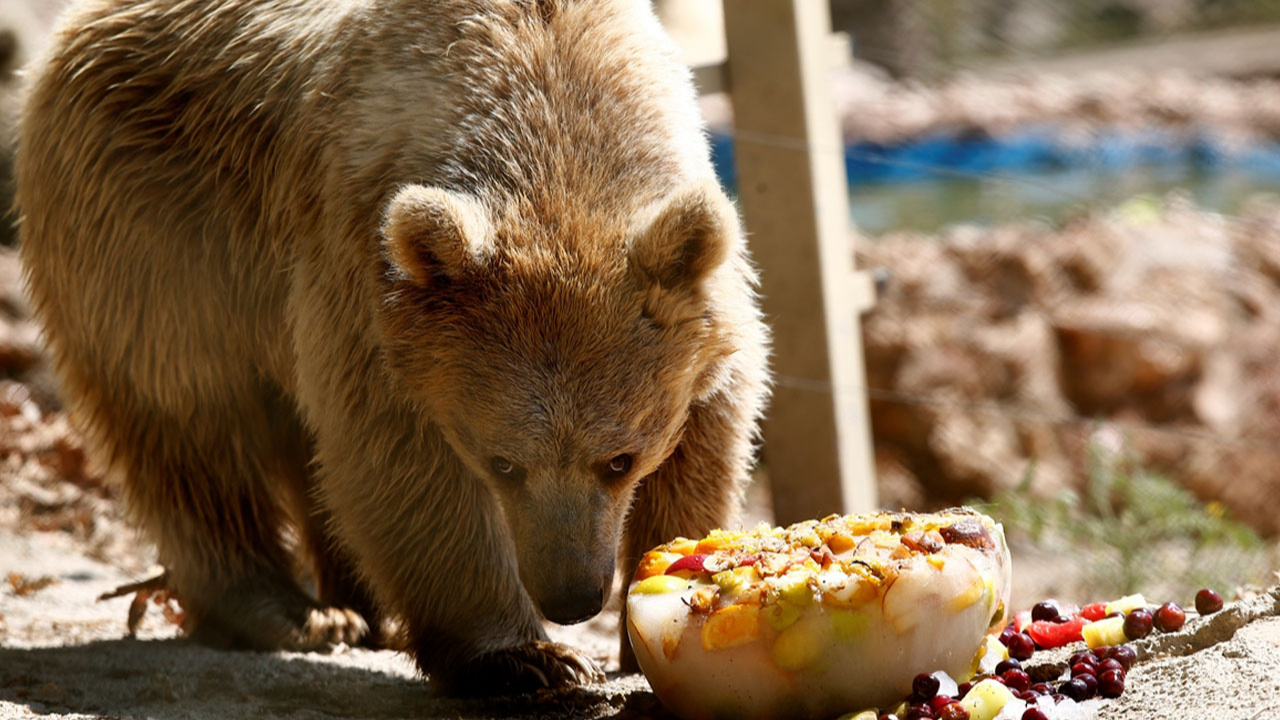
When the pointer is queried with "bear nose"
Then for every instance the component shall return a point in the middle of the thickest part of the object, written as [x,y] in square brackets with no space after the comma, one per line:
[574,605]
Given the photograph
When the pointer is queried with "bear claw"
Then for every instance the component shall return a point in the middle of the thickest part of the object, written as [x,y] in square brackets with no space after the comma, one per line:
[538,665]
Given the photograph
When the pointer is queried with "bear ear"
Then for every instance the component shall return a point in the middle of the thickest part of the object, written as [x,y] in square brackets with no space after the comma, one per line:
[429,232]
[692,233]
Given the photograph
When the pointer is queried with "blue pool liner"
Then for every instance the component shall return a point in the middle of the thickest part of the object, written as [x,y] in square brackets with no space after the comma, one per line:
[1032,150]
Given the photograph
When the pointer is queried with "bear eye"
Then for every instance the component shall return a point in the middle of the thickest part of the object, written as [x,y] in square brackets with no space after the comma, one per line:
[502,466]
[619,465]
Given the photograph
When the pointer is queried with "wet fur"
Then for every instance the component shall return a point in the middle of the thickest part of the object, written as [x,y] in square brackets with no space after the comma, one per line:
[255,337]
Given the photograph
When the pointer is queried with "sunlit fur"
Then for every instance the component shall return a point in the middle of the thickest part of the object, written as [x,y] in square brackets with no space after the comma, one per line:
[255,337]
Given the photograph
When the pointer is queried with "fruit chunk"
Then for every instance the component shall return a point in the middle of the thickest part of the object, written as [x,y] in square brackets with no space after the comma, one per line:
[1052,634]
[991,654]
[660,584]
[730,626]
[688,563]
[1127,604]
[654,562]
[1094,612]
[798,647]
[1107,631]
[985,700]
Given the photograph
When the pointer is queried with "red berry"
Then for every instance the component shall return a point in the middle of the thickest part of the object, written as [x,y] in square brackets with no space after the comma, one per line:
[1111,684]
[919,711]
[1034,713]
[1006,635]
[940,701]
[1016,680]
[963,689]
[1208,602]
[1046,610]
[1090,683]
[1124,655]
[1084,656]
[1083,669]
[1021,646]
[1109,664]
[1137,624]
[1008,664]
[1169,617]
[924,687]
[953,711]
[1075,689]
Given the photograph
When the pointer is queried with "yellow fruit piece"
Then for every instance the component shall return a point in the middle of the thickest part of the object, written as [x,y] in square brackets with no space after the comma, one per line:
[798,647]
[937,561]
[1104,632]
[863,715]
[847,625]
[1127,604]
[840,542]
[781,614]
[717,540]
[985,700]
[971,595]
[654,562]
[682,546]
[731,626]
[659,584]
[991,653]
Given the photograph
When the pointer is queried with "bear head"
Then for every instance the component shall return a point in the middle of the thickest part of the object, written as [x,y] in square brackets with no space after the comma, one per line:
[559,354]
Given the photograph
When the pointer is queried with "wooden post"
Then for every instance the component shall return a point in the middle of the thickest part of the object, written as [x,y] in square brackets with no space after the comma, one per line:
[793,193]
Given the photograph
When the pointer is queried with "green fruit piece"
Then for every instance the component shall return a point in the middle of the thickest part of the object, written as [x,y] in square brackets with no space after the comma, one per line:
[798,647]
[986,699]
[659,584]
[728,580]
[794,588]
[848,625]
[781,614]
[1105,632]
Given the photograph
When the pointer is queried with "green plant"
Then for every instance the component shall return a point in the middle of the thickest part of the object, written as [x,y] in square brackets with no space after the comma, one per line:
[1130,529]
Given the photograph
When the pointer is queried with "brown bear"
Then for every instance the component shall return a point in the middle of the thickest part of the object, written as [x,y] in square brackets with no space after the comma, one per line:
[442,295]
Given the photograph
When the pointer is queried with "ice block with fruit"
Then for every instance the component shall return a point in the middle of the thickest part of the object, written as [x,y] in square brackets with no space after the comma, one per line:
[817,619]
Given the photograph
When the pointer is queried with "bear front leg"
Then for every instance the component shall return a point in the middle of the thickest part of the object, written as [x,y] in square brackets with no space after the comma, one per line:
[694,491]
[431,540]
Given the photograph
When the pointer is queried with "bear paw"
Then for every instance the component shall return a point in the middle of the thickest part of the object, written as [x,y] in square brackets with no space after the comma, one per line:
[525,668]
[273,616]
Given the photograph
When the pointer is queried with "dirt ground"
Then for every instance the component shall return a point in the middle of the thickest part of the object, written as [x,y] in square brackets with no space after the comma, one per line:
[65,654]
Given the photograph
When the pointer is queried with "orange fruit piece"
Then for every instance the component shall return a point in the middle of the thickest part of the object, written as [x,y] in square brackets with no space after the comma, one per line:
[654,562]
[730,626]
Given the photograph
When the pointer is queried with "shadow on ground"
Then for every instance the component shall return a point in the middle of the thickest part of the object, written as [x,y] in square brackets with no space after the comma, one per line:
[175,679]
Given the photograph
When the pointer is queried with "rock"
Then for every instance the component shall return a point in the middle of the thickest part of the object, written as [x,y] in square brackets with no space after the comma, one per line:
[994,352]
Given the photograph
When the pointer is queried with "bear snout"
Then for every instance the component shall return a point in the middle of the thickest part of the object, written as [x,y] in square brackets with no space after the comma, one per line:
[574,604]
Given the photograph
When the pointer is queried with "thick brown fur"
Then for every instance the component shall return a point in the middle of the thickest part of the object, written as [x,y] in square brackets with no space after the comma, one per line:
[314,267]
